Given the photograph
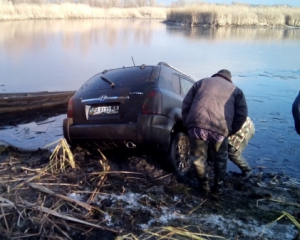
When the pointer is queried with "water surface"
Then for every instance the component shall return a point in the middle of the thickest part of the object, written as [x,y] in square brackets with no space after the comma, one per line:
[57,55]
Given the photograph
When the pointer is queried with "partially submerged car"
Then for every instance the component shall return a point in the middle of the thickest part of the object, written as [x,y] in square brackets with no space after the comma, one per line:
[133,107]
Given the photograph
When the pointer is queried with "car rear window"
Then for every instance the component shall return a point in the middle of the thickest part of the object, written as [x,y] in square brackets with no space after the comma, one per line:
[121,77]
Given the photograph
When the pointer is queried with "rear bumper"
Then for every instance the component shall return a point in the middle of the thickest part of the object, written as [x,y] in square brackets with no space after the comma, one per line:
[149,131]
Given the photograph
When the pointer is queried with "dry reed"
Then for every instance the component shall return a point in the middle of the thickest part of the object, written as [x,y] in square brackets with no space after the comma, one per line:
[192,14]
[26,202]
[29,209]
[283,213]
[61,156]
[169,232]
[291,218]
[9,11]
[237,15]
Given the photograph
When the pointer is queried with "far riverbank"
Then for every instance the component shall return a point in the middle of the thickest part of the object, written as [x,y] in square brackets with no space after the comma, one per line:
[190,14]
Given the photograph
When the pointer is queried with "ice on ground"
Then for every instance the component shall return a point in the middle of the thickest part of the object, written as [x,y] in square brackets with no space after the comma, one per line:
[250,229]
[75,196]
[229,227]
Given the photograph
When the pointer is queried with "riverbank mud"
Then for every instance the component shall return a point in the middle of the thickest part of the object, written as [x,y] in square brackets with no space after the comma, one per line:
[110,196]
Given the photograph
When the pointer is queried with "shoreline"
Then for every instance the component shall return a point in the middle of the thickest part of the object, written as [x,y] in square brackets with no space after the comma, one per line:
[174,22]
[190,14]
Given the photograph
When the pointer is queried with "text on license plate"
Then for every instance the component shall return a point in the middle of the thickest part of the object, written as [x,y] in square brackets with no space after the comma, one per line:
[104,110]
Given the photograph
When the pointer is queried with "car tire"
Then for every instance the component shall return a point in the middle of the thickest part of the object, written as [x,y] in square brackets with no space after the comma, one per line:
[66,131]
[179,154]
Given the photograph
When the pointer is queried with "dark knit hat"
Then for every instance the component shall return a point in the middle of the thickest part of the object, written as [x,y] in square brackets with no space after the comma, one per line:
[224,73]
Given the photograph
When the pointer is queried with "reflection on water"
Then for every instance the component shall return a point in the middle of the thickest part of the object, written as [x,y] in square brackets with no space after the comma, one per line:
[113,32]
[63,54]
[237,33]
[82,34]
[73,33]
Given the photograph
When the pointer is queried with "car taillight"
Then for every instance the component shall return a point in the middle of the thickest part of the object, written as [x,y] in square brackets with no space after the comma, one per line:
[152,102]
[70,108]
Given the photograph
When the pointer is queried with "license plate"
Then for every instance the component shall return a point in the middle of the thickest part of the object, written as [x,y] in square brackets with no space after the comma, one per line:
[104,110]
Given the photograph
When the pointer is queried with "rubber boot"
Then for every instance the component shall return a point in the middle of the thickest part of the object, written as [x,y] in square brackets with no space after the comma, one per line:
[204,185]
[220,173]
[201,170]
[219,154]
[237,158]
[198,149]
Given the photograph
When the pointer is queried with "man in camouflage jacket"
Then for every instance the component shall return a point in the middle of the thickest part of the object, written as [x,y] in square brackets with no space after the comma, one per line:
[236,145]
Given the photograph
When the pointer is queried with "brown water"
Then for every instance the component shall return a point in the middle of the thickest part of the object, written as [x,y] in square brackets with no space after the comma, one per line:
[62,54]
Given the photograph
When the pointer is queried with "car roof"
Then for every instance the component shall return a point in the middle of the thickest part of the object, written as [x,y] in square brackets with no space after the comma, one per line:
[167,65]
[164,64]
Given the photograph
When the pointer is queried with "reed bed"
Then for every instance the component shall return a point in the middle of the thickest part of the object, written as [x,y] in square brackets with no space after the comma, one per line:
[24,11]
[191,14]
[36,200]
[235,15]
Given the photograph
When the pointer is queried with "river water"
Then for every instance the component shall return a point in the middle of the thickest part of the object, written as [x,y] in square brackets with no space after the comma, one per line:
[57,55]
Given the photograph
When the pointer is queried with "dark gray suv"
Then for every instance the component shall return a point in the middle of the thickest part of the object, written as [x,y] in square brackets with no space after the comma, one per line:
[133,107]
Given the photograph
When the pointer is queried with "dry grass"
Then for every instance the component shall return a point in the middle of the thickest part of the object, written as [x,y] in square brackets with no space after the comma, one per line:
[9,11]
[238,15]
[28,207]
[283,213]
[62,157]
[193,14]
[36,202]
[170,232]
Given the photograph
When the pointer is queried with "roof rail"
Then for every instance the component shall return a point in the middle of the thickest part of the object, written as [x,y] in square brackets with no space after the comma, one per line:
[167,65]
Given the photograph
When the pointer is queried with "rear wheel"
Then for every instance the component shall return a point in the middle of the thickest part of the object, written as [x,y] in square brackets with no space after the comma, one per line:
[179,154]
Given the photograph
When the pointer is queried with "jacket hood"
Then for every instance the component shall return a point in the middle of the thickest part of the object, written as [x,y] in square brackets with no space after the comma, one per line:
[224,73]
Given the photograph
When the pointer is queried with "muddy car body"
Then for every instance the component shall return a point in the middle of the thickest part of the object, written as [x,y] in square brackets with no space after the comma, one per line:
[132,107]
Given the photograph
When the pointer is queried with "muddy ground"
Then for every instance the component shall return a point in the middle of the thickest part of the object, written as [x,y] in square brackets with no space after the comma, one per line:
[113,195]
[121,195]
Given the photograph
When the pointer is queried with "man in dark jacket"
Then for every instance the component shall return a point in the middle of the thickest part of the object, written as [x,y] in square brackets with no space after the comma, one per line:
[213,109]
[296,113]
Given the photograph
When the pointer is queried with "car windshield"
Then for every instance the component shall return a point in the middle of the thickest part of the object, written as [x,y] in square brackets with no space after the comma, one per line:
[121,77]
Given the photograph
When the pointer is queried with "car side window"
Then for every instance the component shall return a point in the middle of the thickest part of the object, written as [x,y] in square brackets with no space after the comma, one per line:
[176,83]
[165,79]
[185,86]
